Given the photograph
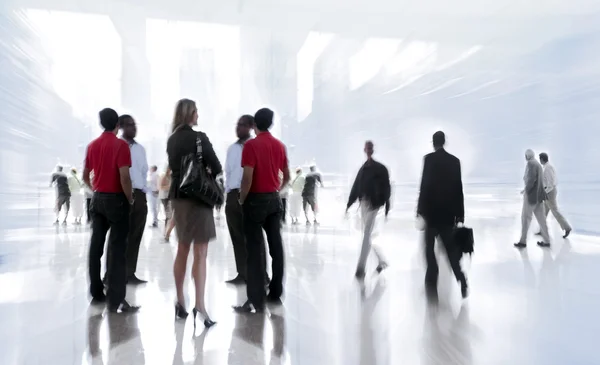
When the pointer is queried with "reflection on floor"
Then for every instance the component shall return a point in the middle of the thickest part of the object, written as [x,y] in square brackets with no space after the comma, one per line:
[539,306]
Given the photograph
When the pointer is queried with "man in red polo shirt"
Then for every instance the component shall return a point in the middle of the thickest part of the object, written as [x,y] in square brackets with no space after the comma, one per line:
[109,158]
[263,158]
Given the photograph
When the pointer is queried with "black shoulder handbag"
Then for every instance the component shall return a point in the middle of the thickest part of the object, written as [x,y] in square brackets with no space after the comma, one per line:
[463,238]
[196,182]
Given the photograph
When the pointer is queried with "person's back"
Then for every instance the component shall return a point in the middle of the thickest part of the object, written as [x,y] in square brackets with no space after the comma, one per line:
[310,183]
[62,184]
[268,156]
[442,192]
[104,154]
[74,184]
[534,182]
[298,184]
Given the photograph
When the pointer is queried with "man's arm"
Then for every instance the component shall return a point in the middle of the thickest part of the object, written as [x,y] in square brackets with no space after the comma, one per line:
[388,191]
[425,181]
[549,178]
[86,177]
[354,191]
[246,183]
[460,207]
[144,166]
[126,183]
[530,179]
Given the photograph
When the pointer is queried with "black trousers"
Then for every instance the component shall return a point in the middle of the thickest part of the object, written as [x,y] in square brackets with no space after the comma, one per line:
[263,212]
[137,223]
[235,224]
[445,233]
[88,202]
[284,211]
[109,212]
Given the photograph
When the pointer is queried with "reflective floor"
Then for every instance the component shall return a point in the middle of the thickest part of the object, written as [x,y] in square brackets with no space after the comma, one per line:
[539,306]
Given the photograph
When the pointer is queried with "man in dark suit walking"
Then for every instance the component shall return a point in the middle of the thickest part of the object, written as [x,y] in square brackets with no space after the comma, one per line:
[441,204]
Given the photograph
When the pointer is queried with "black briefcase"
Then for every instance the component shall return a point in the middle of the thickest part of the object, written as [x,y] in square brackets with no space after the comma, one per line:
[463,238]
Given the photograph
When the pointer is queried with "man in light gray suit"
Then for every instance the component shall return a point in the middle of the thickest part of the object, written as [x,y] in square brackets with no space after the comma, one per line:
[533,201]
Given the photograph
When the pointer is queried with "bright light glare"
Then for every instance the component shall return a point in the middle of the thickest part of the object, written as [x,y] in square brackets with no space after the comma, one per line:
[313,47]
[85,65]
[367,62]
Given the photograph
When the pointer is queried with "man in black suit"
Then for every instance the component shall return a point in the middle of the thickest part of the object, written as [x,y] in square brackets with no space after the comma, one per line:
[441,204]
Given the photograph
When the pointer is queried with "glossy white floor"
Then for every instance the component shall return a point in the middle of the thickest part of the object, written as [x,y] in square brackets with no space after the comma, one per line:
[539,306]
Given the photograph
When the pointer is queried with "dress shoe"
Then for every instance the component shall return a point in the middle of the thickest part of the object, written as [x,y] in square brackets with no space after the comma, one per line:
[134,280]
[238,280]
[520,245]
[98,299]
[360,274]
[382,266]
[543,244]
[538,233]
[248,307]
[124,307]
[567,233]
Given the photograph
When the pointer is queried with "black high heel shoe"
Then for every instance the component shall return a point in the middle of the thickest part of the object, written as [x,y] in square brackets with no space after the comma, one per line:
[180,311]
[207,321]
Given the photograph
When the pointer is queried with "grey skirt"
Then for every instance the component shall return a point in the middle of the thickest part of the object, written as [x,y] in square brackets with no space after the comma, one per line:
[194,223]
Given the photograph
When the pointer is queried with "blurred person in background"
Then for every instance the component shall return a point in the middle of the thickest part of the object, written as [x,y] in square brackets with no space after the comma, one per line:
[63,194]
[263,159]
[165,186]
[533,201]
[441,204]
[194,220]
[551,204]
[75,185]
[218,208]
[309,194]
[109,159]
[284,194]
[233,209]
[296,196]
[153,194]
[372,189]
[89,194]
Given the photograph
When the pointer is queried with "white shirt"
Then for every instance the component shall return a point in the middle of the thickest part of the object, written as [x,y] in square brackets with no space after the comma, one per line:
[233,167]
[550,180]
[153,181]
[139,166]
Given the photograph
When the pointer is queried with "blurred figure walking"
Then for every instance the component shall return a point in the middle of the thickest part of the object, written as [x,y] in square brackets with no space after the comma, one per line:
[63,193]
[165,186]
[372,189]
[309,194]
[441,204]
[75,185]
[551,204]
[296,196]
[533,201]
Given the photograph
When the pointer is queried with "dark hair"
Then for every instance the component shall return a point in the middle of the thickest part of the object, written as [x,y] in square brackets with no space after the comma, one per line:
[123,118]
[369,143]
[248,120]
[544,157]
[439,139]
[263,119]
[109,119]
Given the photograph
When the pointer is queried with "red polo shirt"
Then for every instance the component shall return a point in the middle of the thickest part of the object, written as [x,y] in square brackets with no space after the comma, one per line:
[267,155]
[104,156]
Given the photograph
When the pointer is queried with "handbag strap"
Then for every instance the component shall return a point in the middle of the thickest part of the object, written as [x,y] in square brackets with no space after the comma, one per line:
[198,148]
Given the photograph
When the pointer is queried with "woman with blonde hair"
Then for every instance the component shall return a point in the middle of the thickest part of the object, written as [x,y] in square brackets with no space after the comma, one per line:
[194,221]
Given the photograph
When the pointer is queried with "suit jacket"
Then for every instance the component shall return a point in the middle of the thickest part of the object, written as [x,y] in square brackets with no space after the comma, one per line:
[441,200]
[534,182]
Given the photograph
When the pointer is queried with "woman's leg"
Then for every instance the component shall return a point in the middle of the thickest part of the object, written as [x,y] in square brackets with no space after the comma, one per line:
[179,268]
[170,226]
[199,274]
